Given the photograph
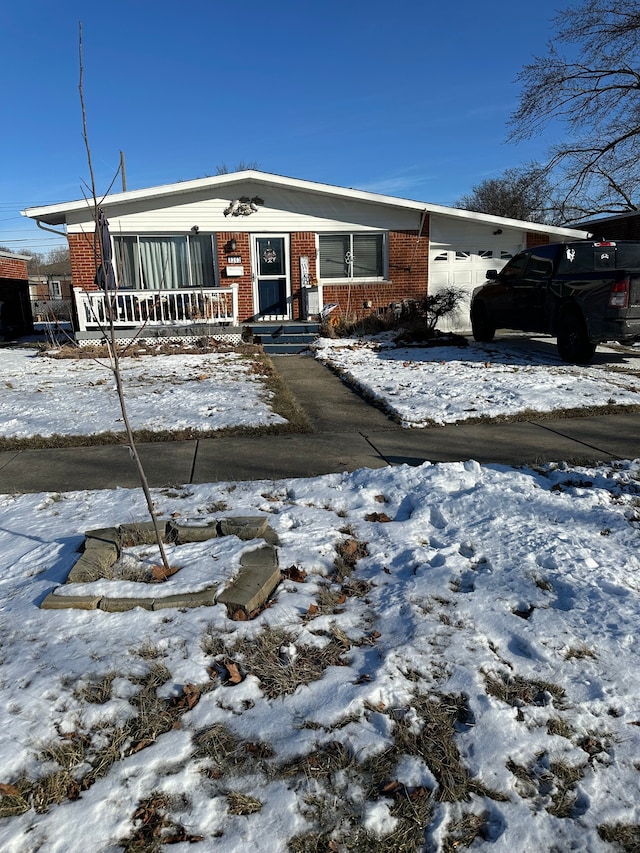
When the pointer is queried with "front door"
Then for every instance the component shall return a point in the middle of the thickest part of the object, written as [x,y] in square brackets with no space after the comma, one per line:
[272,286]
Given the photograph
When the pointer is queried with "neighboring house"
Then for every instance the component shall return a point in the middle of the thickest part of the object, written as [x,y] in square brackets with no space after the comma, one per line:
[15,309]
[252,247]
[50,287]
[51,297]
[620,226]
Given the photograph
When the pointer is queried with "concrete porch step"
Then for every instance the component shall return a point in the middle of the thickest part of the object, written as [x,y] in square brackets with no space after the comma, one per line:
[285,348]
[283,338]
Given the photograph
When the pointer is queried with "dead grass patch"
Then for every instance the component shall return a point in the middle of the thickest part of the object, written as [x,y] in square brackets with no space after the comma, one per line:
[15,799]
[517,691]
[564,797]
[579,653]
[320,763]
[52,789]
[153,828]
[77,763]
[626,836]
[348,552]
[242,804]
[282,666]
[561,728]
[331,771]
[551,783]
[341,826]
[441,716]
[226,753]
[463,831]
[282,400]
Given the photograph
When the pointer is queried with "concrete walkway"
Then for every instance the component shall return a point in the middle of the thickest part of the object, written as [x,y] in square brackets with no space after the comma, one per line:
[348,433]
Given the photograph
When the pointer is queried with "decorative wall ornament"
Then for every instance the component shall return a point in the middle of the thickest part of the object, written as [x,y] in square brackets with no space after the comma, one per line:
[243,206]
[269,256]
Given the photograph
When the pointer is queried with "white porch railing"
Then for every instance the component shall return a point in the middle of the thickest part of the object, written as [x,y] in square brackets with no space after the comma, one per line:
[133,308]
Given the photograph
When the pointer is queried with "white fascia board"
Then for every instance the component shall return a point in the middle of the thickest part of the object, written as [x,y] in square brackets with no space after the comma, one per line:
[55,214]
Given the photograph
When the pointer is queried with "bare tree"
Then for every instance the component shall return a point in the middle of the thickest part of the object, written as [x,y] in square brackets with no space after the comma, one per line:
[55,262]
[518,193]
[223,169]
[110,304]
[589,80]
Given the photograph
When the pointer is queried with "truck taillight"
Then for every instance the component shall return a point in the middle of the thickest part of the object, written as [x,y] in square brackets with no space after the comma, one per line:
[619,296]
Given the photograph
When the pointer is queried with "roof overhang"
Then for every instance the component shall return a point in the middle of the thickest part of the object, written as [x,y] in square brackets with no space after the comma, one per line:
[56,214]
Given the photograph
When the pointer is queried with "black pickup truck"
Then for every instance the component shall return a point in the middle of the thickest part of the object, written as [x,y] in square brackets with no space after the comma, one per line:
[583,292]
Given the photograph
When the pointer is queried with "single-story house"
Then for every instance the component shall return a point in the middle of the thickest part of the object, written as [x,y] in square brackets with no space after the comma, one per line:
[251,247]
[15,308]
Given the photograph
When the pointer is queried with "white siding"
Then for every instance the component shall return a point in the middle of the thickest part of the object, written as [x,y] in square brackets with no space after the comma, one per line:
[284,210]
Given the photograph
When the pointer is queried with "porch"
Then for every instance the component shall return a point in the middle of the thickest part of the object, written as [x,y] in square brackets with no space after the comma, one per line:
[184,316]
[155,309]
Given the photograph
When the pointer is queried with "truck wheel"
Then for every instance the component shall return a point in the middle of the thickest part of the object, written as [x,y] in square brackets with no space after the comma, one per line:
[481,328]
[573,340]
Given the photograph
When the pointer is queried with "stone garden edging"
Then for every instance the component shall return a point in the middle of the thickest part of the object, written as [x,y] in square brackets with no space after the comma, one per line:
[258,577]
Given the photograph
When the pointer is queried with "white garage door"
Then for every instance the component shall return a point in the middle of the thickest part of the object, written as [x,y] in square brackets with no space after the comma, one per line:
[466,268]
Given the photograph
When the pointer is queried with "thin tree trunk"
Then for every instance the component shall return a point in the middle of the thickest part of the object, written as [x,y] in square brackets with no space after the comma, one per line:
[132,444]
[111,342]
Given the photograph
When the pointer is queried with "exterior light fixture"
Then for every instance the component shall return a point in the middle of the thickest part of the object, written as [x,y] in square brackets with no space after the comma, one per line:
[499,231]
[195,229]
[231,246]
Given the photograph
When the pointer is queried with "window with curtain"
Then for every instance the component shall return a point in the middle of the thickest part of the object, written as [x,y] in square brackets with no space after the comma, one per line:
[164,263]
[352,255]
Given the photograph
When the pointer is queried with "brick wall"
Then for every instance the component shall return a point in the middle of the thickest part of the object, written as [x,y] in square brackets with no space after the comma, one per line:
[245,287]
[302,243]
[83,260]
[408,271]
[408,277]
[13,268]
[534,238]
[627,228]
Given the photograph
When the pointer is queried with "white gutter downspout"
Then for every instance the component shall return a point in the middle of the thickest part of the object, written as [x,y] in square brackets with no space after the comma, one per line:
[52,230]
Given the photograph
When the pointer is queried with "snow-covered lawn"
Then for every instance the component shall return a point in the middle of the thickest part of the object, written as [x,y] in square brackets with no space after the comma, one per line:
[421,386]
[450,660]
[47,396]
[452,654]
[449,383]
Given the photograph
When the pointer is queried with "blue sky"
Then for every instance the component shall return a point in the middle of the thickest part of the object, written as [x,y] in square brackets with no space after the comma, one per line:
[408,98]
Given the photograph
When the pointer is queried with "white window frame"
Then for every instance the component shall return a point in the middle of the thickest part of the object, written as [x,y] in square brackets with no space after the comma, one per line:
[351,278]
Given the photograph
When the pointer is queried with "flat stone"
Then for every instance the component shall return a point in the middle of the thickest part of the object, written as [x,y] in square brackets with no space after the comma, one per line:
[204,598]
[244,526]
[120,605]
[265,557]
[93,564]
[141,532]
[181,532]
[62,602]
[100,537]
[255,583]
[271,536]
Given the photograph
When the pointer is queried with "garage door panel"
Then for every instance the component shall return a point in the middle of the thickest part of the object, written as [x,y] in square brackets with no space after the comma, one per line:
[464,267]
